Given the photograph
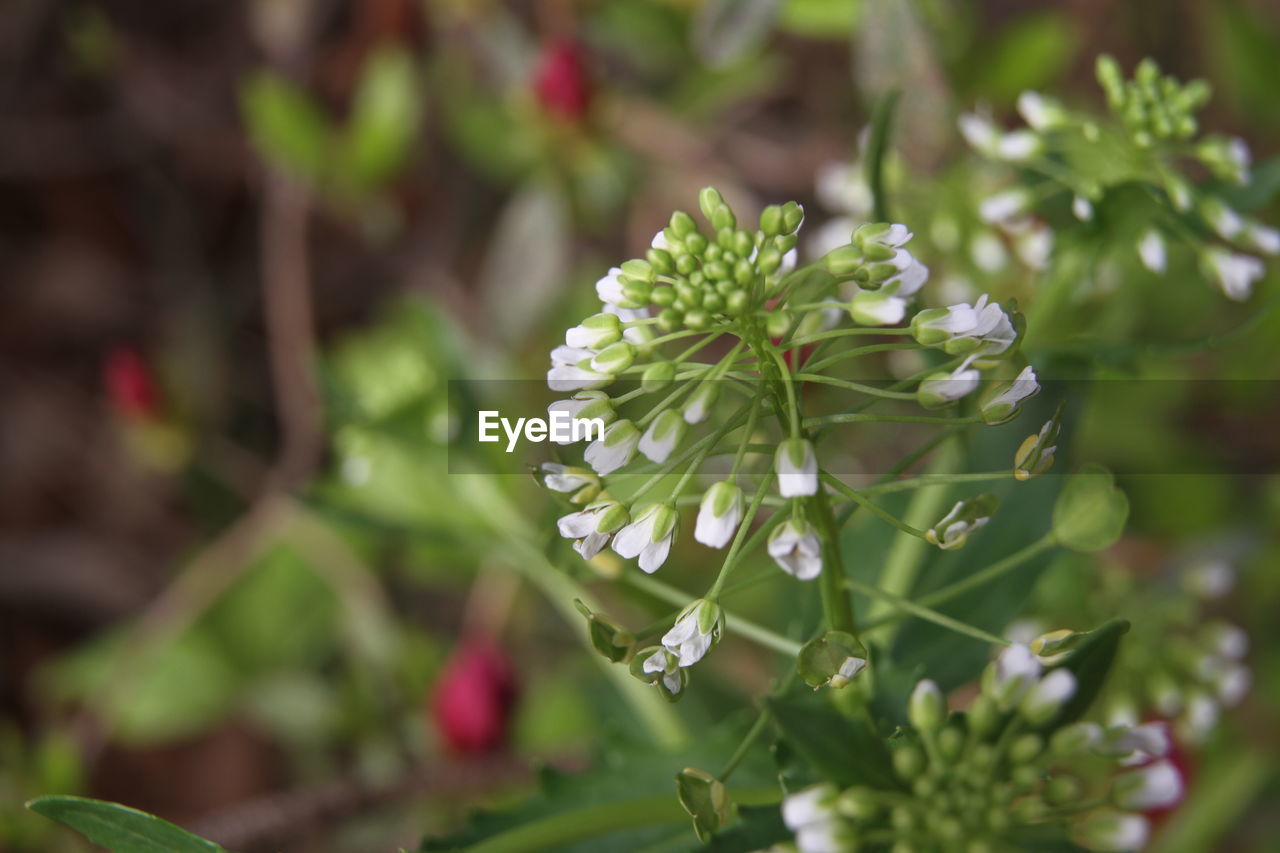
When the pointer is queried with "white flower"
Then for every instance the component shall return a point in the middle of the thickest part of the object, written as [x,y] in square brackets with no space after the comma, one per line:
[700,402]
[953,529]
[832,234]
[1015,671]
[1200,717]
[881,307]
[1048,695]
[592,526]
[568,372]
[1040,112]
[594,333]
[1018,145]
[719,515]
[1235,272]
[1034,246]
[648,536]
[1212,579]
[1005,404]
[1233,683]
[609,288]
[614,449]
[1004,206]
[912,277]
[980,132]
[695,631]
[566,479]
[1225,221]
[1229,641]
[788,264]
[660,660]
[638,335]
[815,804]
[797,468]
[988,252]
[1155,786]
[842,188]
[1082,208]
[1136,744]
[1264,238]
[1152,251]
[943,389]
[1238,154]
[663,436]
[659,240]
[1112,831]
[583,405]
[795,548]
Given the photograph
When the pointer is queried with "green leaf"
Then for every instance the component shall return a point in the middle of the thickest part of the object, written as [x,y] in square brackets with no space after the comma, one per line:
[120,828]
[726,29]
[384,121]
[1090,661]
[820,19]
[1091,512]
[1032,52]
[286,125]
[843,750]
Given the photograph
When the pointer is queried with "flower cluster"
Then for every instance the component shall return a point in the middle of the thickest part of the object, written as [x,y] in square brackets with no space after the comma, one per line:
[981,778]
[1151,132]
[1178,664]
[741,291]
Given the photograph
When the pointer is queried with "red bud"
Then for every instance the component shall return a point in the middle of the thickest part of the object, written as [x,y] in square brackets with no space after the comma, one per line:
[129,384]
[560,81]
[474,697]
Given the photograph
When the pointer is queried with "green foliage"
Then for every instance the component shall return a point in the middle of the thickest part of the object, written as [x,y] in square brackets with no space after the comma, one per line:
[845,750]
[286,125]
[119,828]
[1031,52]
[385,115]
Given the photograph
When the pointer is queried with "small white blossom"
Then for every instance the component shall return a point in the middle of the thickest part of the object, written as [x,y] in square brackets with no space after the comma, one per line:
[719,515]
[797,468]
[1135,744]
[695,631]
[609,288]
[796,549]
[648,537]
[831,235]
[1048,695]
[1235,272]
[842,188]
[1264,238]
[1014,673]
[1018,145]
[570,370]
[1112,831]
[1155,786]
[1211,579]
[1040,112]
[980,132]
[592,527]
[663,436]
[700,402]
[1082,208]
[663,661]
[1034,246]
[1002,406]
[1004,207]
[1232,684]
[614,449]
[1151,250]
[815,804]
[988,252]
[942,389]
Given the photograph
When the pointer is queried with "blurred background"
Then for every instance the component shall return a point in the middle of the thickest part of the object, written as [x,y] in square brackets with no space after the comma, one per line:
[243,247]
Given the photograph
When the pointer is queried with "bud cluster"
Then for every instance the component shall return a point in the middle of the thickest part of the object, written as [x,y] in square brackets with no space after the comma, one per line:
[1153,128]
[977,779]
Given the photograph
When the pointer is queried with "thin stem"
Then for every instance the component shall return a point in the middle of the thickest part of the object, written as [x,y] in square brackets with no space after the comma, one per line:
[925,613]
[870,390]
[934,480]
[837,605]
[793,408]
[818,366]
[859,417]
[870,506]
[843,333]
[757,728]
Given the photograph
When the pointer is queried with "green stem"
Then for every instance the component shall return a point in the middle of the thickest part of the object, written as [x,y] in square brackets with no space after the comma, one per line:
[757,728]
[934,480]
[855,386]
[926,613]
[730,559]
[877,146]
[870,506]
[860,417]
[843,333]
[558,830]
[837,604]
[819,366]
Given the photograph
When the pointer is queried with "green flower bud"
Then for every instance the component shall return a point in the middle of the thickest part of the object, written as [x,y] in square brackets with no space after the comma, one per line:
[595,332]
[670,319]
[778,323]
[661,260]
[832,660]
[638,269]
[983,716]
[859,804]
[686,264]
[636,293]
[908,762]
[743,272]
[710,200]
[657,376]
[614,358]
[926,709]
[927,329]
[663,297]
[1003,402]
[951,743]
[1035,454]
[682,225]
[724,220]
[792,218]
[1026,748]
[743,244]
[706,800]
[769,261]
[607,637]
[713,303]
[844,261]
[736,303]
[697,319]
[1111,80]
[1062,790]
[771,220]
[696,243]
[717,271]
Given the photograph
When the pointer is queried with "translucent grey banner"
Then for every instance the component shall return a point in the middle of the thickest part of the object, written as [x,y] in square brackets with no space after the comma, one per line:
[871,426]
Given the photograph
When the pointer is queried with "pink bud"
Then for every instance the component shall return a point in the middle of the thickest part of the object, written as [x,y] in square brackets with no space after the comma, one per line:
[560,81]
[473,698]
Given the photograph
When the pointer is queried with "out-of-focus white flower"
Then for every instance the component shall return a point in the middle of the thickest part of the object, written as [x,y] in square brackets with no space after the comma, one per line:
[1151,250]
[842,188]
[1004,207]
[1012,675]
[1264,238]
[1034,245]
[1200,717]
[1112,831]
[1082,208]
[1155,786]
[796,549]
[1232,684]
[1047,696]
[1234,271]
[1041,112]
[988,252]
[832,234]
[1135,744]
[1005,404]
